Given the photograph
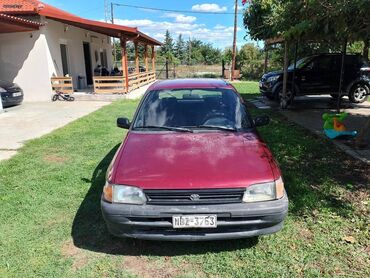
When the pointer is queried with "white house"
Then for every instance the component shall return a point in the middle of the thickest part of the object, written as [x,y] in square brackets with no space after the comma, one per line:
[39,42]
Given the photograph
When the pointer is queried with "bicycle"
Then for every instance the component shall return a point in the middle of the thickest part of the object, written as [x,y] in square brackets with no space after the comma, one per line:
[62,96]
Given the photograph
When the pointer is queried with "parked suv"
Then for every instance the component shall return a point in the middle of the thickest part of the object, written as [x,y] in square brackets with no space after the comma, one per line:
[320,74]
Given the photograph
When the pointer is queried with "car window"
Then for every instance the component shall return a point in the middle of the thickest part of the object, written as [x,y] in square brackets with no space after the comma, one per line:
[325,63]
[192,108]
[300,63]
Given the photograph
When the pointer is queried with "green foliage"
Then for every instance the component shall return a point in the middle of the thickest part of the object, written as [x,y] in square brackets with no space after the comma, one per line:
[167,48]
[325,20]
[250,60]
[180,49]
[190,52]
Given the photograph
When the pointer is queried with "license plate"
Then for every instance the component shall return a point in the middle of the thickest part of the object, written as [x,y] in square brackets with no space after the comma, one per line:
[17,94]
[194,221]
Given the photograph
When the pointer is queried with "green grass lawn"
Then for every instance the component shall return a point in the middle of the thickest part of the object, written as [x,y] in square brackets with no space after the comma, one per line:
[51,225]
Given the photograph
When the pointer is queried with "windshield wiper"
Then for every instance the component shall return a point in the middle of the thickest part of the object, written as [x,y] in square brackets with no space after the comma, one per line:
[172,128]
[226,128]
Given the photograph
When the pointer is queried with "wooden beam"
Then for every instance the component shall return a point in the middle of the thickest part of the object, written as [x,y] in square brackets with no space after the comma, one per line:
[137,62]
[146,57]
[124,63]
[153,58]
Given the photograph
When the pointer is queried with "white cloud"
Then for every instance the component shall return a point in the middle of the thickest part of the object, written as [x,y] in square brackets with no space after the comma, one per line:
[208,8]
[180,18]
[219,35]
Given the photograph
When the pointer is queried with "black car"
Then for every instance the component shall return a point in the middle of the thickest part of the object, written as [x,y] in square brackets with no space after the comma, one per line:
[320,74]
[11,94]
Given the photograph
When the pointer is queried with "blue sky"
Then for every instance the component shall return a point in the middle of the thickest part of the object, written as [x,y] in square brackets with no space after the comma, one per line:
[216,29]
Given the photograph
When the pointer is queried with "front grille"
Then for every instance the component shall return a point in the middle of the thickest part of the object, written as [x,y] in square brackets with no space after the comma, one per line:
[194,197]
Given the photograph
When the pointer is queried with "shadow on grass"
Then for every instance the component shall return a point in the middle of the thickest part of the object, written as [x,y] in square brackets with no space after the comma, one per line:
[89,230]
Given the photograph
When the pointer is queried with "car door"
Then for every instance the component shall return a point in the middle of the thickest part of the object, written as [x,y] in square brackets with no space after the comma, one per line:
[309,78]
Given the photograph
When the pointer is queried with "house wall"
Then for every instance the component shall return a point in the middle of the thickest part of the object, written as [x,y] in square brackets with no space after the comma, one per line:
[30,59]
[59,33]
[23,60]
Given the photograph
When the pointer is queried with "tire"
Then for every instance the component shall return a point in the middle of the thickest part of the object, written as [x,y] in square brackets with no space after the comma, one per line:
[71,99]
[54,98]
[290,95]
[358,93]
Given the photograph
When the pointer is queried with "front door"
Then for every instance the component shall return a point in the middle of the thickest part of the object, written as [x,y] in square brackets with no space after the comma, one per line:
[64,54]
[87,56]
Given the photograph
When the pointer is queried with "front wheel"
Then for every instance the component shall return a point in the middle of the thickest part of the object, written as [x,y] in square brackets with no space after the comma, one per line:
[55,97]
[284,102]
[358,93]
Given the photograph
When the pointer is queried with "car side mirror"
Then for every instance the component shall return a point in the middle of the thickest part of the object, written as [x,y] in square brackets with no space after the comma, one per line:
[261,121]
[123,123]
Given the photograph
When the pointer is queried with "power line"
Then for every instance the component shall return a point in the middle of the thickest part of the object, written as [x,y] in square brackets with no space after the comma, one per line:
[169,10]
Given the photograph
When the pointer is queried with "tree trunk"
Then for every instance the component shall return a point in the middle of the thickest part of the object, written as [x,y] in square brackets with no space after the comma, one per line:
[360,140]
[365,52]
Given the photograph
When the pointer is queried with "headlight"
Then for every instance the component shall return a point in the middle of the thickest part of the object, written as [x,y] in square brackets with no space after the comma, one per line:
[264,191]
[123,194]
[273,78]
[2,90]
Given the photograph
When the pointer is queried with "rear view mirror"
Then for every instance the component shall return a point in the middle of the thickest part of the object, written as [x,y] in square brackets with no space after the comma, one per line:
[123,123]
[261,121]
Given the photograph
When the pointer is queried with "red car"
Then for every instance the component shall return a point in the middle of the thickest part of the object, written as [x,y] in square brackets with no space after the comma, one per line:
[193,167]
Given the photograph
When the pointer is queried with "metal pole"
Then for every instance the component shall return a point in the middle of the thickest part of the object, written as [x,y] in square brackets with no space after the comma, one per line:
[1,105]
[295,66]
[266,58]
[234,42]
[283,100]
[167,77]
[344,50]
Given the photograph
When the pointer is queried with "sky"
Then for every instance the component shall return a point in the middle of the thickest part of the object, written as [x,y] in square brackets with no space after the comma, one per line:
[216,29]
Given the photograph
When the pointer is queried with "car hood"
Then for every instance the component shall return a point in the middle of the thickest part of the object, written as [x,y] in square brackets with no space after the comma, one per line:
[274,73]
[193,160]
[6,84]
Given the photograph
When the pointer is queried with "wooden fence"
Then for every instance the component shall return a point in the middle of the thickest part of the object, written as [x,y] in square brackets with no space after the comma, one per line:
[62,84]
[116,84]
[109,85]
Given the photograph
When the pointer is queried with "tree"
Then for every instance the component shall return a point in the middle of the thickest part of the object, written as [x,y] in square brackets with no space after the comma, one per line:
[167,48]
[250,61]
[210,55]
[180,49]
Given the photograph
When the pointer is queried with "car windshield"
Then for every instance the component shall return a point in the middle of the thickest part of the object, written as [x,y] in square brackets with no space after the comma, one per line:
[300,63]
[192,109]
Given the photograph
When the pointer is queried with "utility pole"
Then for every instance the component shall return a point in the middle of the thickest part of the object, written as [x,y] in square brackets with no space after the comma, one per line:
[112,12]
[106,10]
[234,42]
[113,40]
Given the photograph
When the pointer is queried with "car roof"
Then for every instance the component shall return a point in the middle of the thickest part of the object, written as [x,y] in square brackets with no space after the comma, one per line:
[201,83]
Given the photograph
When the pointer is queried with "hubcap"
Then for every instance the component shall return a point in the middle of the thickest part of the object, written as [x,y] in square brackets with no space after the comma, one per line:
[359,94]
[288,94]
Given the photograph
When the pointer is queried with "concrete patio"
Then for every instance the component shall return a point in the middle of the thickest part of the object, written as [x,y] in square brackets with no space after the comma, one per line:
[34,119]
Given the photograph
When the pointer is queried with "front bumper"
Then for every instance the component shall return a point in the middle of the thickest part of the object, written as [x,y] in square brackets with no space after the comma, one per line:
[154,222]
[10,101]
